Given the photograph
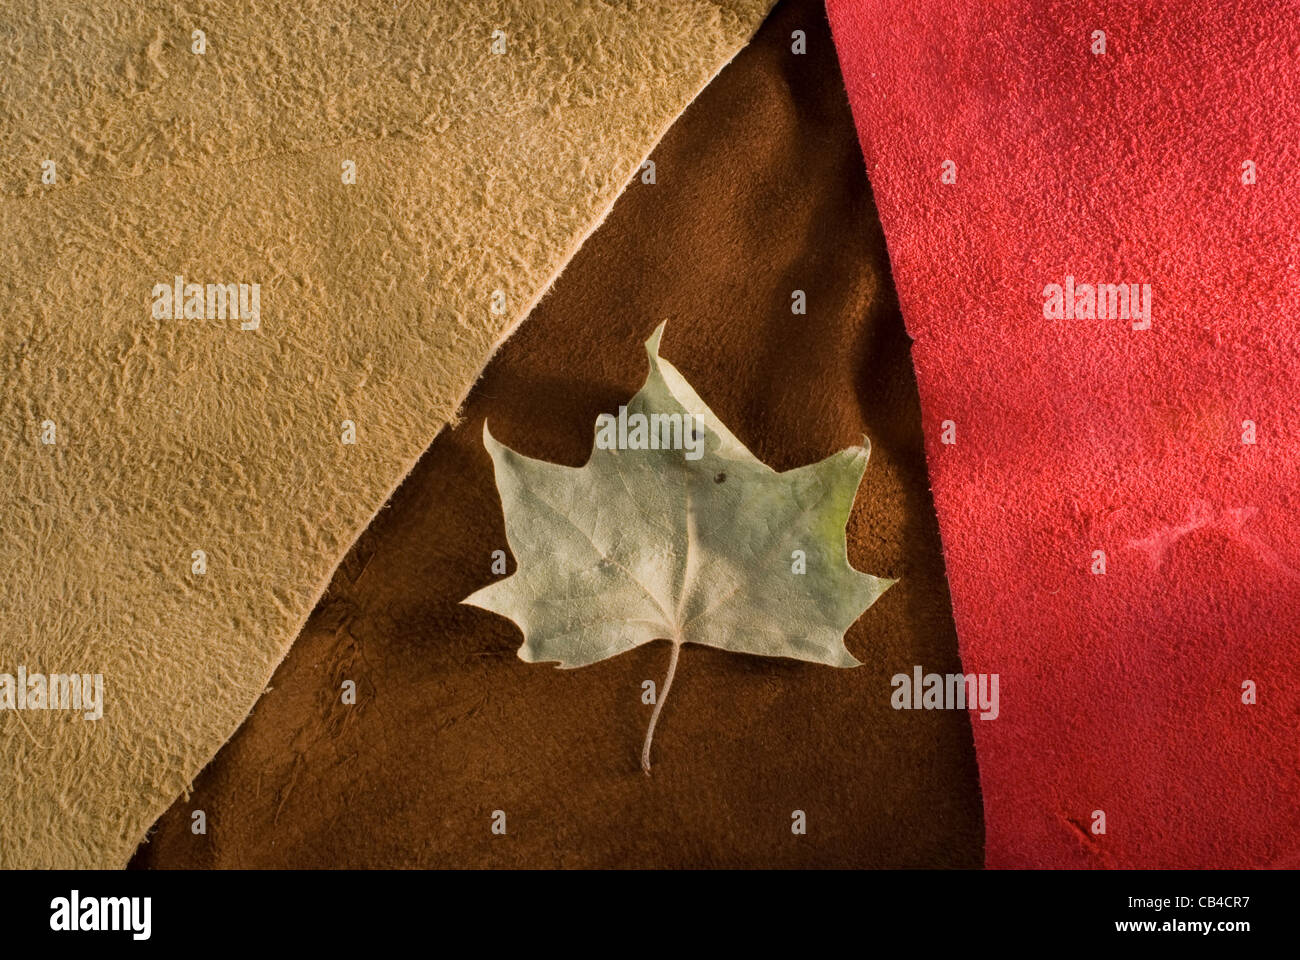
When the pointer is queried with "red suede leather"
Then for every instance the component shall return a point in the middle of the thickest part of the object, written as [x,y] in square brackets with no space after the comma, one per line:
[1120,692]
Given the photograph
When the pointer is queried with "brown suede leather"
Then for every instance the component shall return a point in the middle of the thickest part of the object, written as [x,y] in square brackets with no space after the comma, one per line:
[760,191]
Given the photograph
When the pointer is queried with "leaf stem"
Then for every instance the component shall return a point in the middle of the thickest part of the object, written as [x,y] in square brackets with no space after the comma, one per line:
[659,705]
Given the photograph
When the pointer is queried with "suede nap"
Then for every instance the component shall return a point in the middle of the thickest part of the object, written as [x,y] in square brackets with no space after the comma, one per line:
[759,192]
[149,141]
[1117,493]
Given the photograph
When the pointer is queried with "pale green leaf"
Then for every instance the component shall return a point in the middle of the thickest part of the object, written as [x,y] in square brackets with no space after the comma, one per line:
[644,544]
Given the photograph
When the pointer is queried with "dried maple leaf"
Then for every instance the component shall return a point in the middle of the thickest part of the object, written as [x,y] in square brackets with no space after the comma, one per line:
[679,533]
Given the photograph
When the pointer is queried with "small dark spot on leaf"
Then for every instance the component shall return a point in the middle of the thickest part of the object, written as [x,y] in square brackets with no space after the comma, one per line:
[720,478]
